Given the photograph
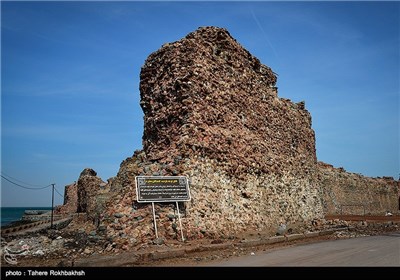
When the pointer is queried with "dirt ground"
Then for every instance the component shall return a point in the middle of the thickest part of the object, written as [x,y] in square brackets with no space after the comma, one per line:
[71,251]
[196,258]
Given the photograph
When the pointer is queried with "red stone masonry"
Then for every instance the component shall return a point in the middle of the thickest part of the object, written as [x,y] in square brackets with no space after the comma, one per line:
[205,95]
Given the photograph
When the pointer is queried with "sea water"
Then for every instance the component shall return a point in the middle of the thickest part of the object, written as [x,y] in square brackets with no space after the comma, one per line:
[13,214]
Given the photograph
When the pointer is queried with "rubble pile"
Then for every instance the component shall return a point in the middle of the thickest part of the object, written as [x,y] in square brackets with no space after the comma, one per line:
[65,247]
[53,245]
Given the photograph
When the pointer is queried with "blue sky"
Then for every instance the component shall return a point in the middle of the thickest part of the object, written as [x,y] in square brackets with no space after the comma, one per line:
[70,80]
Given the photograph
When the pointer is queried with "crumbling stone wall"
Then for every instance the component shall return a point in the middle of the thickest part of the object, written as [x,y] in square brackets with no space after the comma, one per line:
[207,96]
[88,187]
[221,205]
[354,194]
[211,112]
[70,205]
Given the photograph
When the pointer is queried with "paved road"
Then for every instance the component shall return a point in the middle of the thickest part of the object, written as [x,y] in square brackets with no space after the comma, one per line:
[381,250]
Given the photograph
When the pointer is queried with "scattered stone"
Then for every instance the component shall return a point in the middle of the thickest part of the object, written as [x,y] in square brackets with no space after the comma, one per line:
[133,241]
[87,251]
[108,248]
[57,243]
[171,217]
[102,228]
[363,224]
[281,229]
[158,241]
[38,253]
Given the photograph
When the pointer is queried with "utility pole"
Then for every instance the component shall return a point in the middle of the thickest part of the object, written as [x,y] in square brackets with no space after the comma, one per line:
[52,205]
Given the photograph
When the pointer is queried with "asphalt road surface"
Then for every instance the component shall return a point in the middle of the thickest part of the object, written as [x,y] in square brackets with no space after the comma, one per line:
[383,250]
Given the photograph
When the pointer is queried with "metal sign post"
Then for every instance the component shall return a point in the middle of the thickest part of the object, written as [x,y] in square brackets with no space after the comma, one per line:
[180,222]
[154,219]
[162,189]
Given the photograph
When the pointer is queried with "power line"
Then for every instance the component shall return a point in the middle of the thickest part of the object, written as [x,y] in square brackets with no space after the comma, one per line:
[58,192]
[29,188]
[52,205]
[19,181]
[25,187]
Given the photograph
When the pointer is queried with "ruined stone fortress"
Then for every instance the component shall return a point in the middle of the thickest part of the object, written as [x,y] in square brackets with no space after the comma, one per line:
[212,113]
